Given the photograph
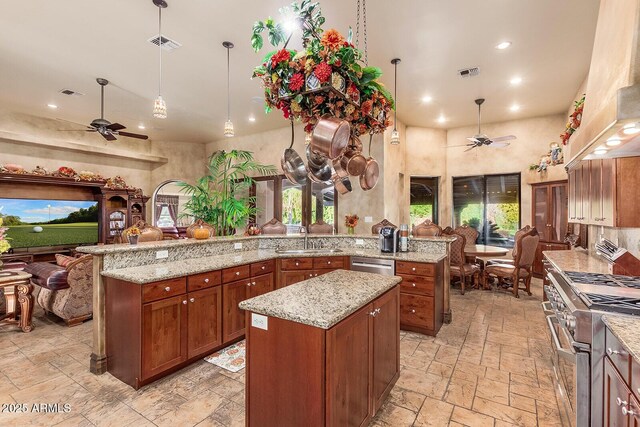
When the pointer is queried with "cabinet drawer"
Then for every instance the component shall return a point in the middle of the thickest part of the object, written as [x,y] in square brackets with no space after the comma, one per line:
[235,273]
[416,310]
[263,267]
[420,285]
[165,289]
[297,264]
[204,280]
[328,262]
[619,356]
[421,269]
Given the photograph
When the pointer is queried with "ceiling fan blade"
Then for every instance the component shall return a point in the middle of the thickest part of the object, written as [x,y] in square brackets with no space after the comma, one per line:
[470,148]
[473,139]
[116,126]
[504,138]
[108,136]
[461,145]
[133,135]
[500,144]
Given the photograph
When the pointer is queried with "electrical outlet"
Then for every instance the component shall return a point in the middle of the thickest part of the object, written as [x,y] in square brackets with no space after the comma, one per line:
[162,254]
[259,321]
[359,242]
[368,219]
[237,246]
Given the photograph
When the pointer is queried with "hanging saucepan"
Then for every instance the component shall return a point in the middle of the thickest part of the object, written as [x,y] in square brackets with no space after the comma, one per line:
[369,177]
[353,161]
[293,165]
[343,185]
[319,167]
[330,137]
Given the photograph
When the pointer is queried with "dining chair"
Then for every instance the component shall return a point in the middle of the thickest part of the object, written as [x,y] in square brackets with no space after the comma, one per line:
[375,230]
[458,266]
[521,269]
[514,251]
[320,227]
[427,228]
[273,227]
[469,233]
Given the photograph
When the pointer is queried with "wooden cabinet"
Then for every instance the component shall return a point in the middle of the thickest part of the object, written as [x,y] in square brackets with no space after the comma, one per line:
[294,270]
[290,277]
[204,320]
[336,377]
[421,296]
[551,209]
[616,397]
[119,209]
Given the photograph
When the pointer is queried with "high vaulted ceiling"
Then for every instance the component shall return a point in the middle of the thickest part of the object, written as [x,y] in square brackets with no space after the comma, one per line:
[46,46]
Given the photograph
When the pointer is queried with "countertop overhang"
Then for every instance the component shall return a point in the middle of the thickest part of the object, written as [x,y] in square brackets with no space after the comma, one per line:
[576,260]
[324,300]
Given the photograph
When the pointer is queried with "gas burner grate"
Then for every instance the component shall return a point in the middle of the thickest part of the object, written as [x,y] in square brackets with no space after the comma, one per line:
[604,279]
[618,304]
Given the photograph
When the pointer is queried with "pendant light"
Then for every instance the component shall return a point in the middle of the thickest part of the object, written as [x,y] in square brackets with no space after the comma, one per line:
[159,106]
[395,135]
[228,125]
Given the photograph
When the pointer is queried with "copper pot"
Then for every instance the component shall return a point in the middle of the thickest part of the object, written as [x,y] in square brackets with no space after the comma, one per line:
[369,177]
[353,161]
[330,137]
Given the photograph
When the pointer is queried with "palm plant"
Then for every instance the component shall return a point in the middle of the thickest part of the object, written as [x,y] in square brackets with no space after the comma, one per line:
[222,198]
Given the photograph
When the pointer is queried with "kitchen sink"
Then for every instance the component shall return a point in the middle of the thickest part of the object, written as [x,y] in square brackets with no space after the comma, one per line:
[307,251]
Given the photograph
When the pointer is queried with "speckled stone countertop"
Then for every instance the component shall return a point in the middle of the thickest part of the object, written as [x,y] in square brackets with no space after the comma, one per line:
[577,260]
[322,301]
[170,270]
[625,328]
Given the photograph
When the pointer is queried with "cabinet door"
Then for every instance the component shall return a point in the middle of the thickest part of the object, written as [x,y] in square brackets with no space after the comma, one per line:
[608,171]
[578,193]
[232,316]
[614,389]
[205,320]
[386,345]
[348,361]
[290,277]
[584,192]
[558,212]
[634,415]
[261,285]
[572,196]
[541,211]
[164,335]
[595,192]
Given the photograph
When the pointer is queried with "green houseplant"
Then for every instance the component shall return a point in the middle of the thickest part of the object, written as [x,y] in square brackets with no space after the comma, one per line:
[221,198]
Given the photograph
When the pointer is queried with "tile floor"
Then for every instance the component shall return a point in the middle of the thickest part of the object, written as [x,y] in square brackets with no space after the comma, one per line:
[489,367]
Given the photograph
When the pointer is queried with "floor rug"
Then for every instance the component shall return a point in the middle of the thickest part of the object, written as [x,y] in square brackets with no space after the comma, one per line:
[231,358]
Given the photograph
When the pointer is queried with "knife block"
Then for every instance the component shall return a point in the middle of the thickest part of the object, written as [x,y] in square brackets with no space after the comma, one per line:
[627,265]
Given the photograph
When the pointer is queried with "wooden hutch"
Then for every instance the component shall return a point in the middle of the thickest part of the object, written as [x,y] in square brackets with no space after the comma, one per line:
[119,209]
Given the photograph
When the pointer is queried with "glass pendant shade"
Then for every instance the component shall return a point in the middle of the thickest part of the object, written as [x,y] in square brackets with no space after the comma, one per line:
[228,129]
[159,108]
[395,137]
[307,138]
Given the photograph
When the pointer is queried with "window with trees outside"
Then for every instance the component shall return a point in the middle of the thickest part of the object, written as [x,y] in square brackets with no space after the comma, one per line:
[423,199]
[490,204]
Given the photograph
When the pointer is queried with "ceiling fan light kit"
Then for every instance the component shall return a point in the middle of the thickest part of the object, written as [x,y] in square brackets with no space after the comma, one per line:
[228,125]
[395,135]
[159,105]
[480,139]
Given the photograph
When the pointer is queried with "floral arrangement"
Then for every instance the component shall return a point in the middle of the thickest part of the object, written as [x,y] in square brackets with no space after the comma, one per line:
[575,119]
[66,172]
[553,157]
[4,240]
[351,221]
[133,231]
[327,77]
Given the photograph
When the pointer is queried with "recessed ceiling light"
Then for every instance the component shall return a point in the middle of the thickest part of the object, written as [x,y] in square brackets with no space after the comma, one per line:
[503,45]
[442,119]
[141,126]
[52,106]
[613,141]
[252,119]
[630,129]
[427,99]
[515,81]
[514,108]
[600,151]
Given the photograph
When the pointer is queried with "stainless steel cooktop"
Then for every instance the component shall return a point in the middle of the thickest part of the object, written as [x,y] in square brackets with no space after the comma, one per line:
[607,292]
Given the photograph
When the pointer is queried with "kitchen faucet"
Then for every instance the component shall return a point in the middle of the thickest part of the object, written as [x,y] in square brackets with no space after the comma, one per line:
[303,230]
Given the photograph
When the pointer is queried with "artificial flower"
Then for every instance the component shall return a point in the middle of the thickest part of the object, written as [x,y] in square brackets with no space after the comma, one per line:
[296,82]
[280,56]
[295,107]
[322,72]
[366,106]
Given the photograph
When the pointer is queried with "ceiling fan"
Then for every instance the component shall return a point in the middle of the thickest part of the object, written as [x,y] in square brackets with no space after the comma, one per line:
[108,130]
[481,139]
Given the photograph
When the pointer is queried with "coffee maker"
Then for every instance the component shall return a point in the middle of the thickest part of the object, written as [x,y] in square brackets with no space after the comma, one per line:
[389,239]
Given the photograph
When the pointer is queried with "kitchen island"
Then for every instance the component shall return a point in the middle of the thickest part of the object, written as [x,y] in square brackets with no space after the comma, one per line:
[322,352]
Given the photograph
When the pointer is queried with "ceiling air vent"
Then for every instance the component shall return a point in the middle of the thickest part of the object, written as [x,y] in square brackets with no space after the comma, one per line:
[469,72]
[70,92]
[167,44]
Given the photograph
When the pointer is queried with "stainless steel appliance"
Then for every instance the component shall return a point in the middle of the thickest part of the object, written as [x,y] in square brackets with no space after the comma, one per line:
[389,239]
[576,304]
[386,267]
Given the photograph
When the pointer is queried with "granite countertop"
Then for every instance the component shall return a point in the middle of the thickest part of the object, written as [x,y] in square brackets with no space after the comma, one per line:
[577,260]
[625,328]
[324,300]
[185,267]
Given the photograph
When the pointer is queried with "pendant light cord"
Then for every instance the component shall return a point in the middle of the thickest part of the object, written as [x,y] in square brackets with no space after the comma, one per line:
[395,95]
[228,85]
[160,49]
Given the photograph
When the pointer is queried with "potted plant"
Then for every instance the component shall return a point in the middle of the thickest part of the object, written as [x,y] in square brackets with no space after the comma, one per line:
[132,235]
[351,221]
[222,197]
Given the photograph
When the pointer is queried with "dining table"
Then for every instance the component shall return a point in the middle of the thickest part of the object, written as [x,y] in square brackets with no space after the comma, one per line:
[483,251]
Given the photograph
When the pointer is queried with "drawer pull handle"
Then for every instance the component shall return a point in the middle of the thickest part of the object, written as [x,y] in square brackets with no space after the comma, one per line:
[192,300]
[375,312]
[253,283]
[611,352]
[310,275]
[249,284]
[167,289]
[184,302]
[413,284]
[413,269]
[263,267]
[237,273]
[329,262]
[620,402]
[627,411]
[206,280]
[413,311]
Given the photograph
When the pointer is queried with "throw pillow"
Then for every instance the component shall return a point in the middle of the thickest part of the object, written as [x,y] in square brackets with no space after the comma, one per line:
[64,260]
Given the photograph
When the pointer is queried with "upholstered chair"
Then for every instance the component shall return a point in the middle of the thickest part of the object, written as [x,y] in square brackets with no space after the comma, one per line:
[273,227]
[375,230]
[470,234]
[459,267]
[427,229]
[521,269]
[320,227]
[148,233]
[514,251]
[198,223]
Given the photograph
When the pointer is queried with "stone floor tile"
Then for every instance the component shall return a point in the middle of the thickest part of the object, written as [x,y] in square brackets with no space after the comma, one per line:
[430,385]
[191,412]
[493,390]
[441,369]
[392,415]
[522,402]
[548,414]
[406,398]
[504,412]
[154,402]
[229,414]
[470,418]
[434,413]
[447,354]
[460,393]
[227,387]
[497,375]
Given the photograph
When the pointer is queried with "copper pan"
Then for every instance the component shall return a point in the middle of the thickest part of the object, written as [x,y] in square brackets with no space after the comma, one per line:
[369,177]
[330,137]
[343,185]
[353,161]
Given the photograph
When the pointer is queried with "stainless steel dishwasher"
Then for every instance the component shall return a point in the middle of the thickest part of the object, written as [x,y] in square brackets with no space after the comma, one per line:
[386,267]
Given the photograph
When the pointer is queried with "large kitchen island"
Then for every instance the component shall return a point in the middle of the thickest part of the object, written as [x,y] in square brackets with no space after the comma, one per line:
[323,352]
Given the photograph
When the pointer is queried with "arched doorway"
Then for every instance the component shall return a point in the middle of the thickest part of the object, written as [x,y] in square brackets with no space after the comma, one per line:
[168,206]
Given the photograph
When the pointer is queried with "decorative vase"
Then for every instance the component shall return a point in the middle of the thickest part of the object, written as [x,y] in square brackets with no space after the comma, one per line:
[133,239]
[351,230]
[201,233]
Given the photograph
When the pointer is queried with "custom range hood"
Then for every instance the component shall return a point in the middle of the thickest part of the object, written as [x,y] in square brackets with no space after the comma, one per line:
[611,118]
